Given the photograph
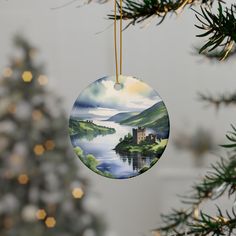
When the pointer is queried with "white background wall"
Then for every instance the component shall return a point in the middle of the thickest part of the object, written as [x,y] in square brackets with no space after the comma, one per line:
[75,56]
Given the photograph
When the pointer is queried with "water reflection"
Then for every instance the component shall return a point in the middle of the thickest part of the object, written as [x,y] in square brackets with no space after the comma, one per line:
[102,148]
[136,161]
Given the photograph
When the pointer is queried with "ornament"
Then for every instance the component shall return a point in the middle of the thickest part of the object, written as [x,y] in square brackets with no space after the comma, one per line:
[119,125]
[119,133]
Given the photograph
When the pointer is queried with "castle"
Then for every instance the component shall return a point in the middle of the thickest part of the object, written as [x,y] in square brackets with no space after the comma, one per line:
[139,135]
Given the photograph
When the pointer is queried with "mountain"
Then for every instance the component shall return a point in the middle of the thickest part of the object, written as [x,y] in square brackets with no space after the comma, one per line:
[155,117]
[122,116]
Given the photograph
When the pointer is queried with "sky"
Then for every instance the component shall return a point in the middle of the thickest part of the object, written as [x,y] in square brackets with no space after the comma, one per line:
[102,99]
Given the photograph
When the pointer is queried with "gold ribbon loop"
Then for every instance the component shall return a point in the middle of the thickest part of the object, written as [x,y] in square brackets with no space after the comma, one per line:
[115,40]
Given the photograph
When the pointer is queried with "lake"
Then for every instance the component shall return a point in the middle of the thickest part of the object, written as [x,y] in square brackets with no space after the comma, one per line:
[120,166]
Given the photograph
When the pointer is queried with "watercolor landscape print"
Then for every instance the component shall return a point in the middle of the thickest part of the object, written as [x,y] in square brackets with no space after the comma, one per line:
[119,133]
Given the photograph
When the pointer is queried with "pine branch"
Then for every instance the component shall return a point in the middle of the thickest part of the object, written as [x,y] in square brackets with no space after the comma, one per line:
[213,56]
[181,223]
[226,100]
[139,11]
[191,221]
[215,183]
[175,221]
[231,136]
[220,29]
[222,177]
[209,225]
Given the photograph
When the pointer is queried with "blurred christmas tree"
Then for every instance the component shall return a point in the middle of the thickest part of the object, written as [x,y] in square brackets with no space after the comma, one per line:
[41,191]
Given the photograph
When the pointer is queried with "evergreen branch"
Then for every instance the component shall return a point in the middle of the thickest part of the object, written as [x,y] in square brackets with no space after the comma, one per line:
[229,99]
[209,225]
[220,179]
[231,136]
[214,55]
[139,11]
[175,221]
[215,183]
[182,223]
[220,29]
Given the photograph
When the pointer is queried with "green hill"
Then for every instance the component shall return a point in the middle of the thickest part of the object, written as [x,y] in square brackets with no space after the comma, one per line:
[87,129]
[155,117]
[122,116]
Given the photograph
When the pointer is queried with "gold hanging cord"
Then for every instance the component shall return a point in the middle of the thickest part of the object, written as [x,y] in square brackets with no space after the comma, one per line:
[115,40]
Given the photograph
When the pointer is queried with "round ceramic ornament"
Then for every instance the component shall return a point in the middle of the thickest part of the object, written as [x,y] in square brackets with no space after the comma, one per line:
[119,132]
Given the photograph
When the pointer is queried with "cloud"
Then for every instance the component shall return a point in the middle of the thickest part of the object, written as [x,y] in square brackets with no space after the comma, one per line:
[134,96]
[104,112]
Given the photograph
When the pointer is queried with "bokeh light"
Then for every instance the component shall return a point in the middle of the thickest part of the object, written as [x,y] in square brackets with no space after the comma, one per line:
[78,193]
[23,179]
[50,145]
[41,214]
[27,76]
[43,80]
[7,72]
[50,222]
[39,149]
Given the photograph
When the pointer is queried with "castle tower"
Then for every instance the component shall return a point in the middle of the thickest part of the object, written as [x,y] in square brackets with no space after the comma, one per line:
[151,138]
[139,135]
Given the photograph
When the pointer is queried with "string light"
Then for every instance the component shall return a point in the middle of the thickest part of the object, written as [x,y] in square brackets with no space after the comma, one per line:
[7,72]
[43,80]
[50,222]
[27,76]
[23,179]
[77,193]
[39,149]
[41,214]
[50,145]
[37,115]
